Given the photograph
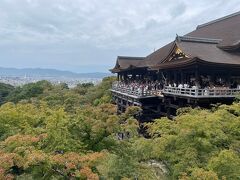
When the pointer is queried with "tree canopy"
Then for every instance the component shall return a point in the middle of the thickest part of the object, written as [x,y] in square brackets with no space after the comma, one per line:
[54,132]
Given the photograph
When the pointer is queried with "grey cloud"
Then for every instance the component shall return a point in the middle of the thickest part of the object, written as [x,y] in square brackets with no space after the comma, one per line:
[178,9]
[71,33]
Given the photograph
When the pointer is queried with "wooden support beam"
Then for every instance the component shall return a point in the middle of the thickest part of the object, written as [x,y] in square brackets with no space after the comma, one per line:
[175,77]
[228,78]
[197,81]
[182,77]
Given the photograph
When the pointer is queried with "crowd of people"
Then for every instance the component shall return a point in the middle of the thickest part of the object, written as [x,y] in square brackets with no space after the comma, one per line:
[140,85]
[206,85]
[148,85]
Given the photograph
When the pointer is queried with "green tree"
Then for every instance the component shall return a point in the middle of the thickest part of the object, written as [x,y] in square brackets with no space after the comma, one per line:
[226,164]
[29,91]
[5,90]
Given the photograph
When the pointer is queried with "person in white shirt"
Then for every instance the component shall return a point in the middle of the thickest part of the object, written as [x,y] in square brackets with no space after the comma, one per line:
[180,86]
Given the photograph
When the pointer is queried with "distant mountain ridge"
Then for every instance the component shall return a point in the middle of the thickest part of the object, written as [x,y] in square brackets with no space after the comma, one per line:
[41,72]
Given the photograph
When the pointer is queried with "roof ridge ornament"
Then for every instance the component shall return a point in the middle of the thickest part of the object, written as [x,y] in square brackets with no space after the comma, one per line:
[130,58]
[177,38]
[231,47]
[198,39]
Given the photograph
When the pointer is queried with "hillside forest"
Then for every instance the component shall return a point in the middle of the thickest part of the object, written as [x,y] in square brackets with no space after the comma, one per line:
[52,132]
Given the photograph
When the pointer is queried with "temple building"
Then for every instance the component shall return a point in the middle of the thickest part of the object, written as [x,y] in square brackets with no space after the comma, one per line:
[198,69]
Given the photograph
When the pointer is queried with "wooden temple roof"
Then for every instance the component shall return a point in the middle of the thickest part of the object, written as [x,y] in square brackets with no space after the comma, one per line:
[215,42]
[208,51]
[126,63]
[226,28]
[198,50]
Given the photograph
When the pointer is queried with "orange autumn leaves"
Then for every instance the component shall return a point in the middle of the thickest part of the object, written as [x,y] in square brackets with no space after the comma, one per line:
[78,165]
[23,155]
[7,161]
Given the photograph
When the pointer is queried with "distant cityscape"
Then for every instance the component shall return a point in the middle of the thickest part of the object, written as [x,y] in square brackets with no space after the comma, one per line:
[70,81]
[19,77]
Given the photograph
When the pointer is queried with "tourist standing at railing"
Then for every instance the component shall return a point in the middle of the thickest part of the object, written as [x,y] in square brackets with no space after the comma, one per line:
[185,85]
[140,86]
[206,91]
[180,86]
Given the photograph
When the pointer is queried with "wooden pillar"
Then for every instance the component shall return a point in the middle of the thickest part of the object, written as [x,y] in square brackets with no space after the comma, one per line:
[134,76]
[169,77]
[182,77]
[125,76]
[159,109]
[197,76]
[121,77]
[138,77]
[212,78]
[175,77]
[159,76]
[118,77]
[228,79]
[168,112]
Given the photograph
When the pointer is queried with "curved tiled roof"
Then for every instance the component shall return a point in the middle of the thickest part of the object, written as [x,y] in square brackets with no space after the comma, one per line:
[232,48]
[208,52]
[126,62]
[217,41]
[200,49]
[226,28]
[159,55]
[224,31]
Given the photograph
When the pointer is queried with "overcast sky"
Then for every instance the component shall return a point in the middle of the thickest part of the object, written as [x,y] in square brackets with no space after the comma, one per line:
[87,35]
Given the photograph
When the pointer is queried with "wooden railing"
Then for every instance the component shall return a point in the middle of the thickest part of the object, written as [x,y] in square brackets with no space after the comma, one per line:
[135,92]
[201,93]
[185,92]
